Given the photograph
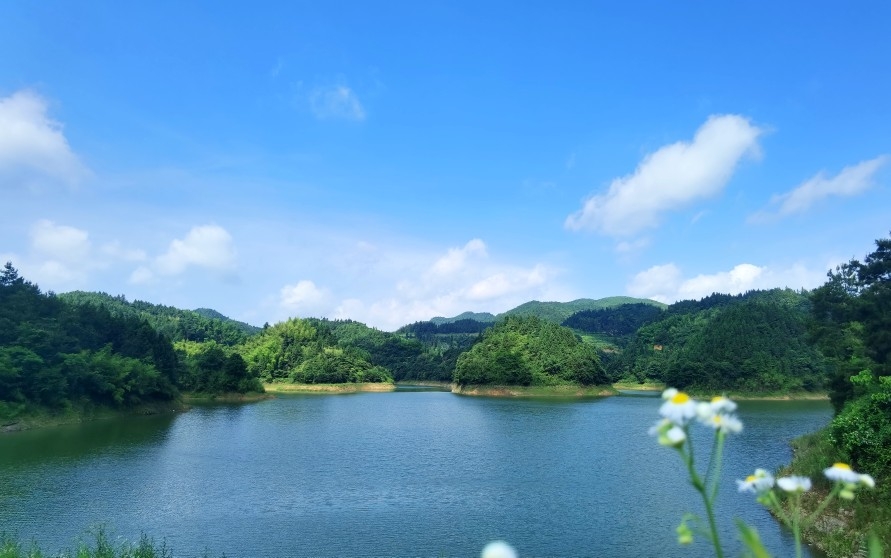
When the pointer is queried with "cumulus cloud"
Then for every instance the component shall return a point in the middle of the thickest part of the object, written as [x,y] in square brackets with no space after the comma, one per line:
[456,259]
[60,242]
[338,102]
[850,181]
[411,286]
[33,148]
[666,283]
[60,257]
[205,246]
[670,178]
[304,298]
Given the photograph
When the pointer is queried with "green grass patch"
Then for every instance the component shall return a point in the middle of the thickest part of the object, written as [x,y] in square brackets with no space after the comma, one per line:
[843,529]
[328,388]
[563,390]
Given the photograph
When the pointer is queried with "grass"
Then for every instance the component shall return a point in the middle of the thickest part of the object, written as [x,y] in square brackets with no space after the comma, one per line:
[842,530]
[328,388]
[233,397]
[565,390]
[647,385]
[100,548]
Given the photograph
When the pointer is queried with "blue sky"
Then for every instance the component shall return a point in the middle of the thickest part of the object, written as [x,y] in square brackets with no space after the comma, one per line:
[394,162]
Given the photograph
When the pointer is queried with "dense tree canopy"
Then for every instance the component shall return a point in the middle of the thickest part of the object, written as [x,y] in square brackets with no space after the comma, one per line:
[529,351]
[617,322]
[178,325]
[307,351]
[53,354]
[756,342]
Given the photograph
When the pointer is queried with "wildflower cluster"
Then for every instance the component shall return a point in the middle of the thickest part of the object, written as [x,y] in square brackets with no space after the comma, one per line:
[679,411]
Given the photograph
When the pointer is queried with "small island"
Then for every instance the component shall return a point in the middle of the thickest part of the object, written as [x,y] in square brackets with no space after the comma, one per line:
[527,356]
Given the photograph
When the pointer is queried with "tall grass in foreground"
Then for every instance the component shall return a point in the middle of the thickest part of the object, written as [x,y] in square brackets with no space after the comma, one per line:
[101,547]
[842,531]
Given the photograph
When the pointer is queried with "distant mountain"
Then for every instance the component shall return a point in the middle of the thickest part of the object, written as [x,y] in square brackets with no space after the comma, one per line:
[555,312]
[484,317]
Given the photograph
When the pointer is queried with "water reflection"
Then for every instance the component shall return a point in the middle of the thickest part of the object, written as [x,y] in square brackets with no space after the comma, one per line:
[388,474]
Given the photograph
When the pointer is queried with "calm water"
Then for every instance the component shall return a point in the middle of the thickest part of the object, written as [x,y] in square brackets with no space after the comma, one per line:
[408,473]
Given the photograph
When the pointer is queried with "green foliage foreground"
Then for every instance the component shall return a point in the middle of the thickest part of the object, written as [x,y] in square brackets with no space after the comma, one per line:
[783,496]
[101,547]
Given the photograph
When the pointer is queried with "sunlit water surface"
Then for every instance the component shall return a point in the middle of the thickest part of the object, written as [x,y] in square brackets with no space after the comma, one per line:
[407,473]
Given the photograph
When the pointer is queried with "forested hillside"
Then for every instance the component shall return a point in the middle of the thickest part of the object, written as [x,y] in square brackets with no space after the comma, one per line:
[555,312]
[756,342]
[616,324]
[529,351]
[307,351]
[178,325]
[54,355]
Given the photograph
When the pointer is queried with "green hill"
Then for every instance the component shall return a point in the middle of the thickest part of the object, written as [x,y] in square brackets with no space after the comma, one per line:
[557,312]
[529,351]
[554,312]
[755,342]
[484,317]
[178,325]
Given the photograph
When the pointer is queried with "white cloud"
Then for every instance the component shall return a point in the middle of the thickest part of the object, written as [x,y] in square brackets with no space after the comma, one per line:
[670,178]
[207,246]
[850,181]
[33,148]
[115,250]
[60,256]
[507,283]
[141,274]
[60,242]
[626,247]
[456,259]
[337,102]
[304,298]
[401,287]
[666,283]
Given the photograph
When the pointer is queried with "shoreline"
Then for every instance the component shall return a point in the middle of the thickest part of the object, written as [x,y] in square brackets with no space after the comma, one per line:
[329,388]
[794,396]
[232,397]
[737,396]
[426,383]
[46,419]
[534,391]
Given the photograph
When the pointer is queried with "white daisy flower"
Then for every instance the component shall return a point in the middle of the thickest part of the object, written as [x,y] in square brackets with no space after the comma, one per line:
[704,412]
[498,549]
[726,423]
[721,404]
[668,433]
[842,472]
[669,393]
[794,484]
[674,437]
[760,482]
[679,409]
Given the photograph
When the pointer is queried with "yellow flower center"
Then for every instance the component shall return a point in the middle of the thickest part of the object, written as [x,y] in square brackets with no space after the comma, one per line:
[844,466]
[751,478]
[680,398]
[717,399]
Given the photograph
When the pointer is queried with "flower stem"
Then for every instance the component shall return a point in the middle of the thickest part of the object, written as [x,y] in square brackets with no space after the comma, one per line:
[696,480]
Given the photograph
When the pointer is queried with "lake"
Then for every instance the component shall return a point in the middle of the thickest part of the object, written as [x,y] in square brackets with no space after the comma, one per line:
[405,473]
